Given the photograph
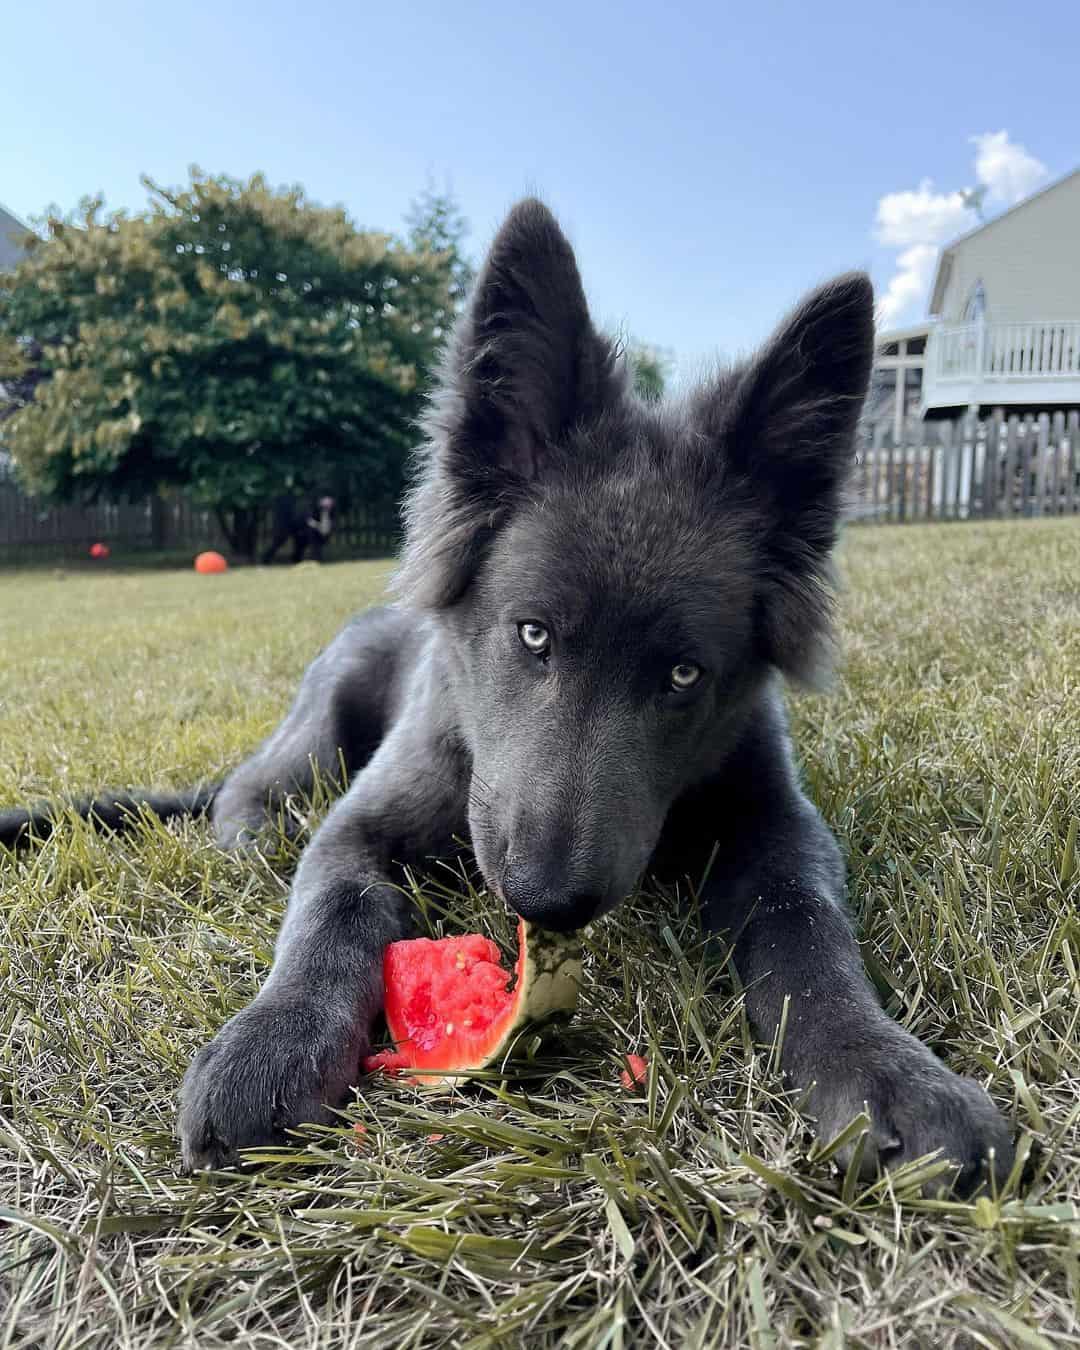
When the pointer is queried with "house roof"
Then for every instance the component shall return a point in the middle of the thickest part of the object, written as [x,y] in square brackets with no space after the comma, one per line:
[944,262]
[10,224]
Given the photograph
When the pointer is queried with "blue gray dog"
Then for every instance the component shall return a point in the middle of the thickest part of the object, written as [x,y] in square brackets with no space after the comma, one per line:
[598,601]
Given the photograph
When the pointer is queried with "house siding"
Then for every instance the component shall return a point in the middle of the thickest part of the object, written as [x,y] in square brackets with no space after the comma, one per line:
[1028,261]
[10,251]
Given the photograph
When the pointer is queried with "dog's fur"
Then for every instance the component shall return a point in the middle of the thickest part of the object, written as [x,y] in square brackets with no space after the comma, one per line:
[568,548]
[308,524]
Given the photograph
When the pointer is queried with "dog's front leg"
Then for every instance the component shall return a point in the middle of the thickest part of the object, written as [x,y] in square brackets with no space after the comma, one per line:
[779,896]
[295,1051]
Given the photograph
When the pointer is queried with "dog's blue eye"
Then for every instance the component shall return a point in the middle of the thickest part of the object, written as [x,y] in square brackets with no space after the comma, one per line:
[535,638]
[685,675]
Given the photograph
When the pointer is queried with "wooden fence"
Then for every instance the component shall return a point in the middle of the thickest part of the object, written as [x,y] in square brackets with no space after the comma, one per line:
[969,470]
[31,532]
[950,470]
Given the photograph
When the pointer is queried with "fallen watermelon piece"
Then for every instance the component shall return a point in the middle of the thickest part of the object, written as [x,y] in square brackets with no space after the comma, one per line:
[452,1006]
[635,1073]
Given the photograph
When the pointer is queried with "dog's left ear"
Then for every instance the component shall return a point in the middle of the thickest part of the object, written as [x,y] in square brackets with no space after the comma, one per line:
[785,426]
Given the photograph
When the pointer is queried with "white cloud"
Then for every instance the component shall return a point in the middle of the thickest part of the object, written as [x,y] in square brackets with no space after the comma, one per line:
[920,217]
[1007,169]
[910,282]
[918,221]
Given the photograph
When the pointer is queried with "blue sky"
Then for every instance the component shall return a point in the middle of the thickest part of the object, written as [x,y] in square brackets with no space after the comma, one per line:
[709,161]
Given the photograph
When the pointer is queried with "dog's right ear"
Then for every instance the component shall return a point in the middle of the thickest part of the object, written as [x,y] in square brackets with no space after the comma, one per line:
[525,363]
[523,367]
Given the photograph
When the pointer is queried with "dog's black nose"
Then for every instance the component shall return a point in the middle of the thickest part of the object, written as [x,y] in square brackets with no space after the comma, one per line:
[535,895]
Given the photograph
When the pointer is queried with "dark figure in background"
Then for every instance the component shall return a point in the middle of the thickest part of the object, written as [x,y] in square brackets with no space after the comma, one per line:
[308,524]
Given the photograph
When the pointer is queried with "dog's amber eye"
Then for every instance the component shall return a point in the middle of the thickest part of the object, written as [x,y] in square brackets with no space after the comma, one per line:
[535,638]
[685,675]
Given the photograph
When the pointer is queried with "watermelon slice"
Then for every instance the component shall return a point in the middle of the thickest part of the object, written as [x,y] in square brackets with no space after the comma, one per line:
[452,1007]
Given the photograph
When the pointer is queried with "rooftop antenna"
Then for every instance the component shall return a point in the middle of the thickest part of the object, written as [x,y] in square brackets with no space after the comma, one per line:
[973,199]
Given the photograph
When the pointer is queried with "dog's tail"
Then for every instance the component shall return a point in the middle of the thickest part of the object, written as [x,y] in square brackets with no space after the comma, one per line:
[110,810]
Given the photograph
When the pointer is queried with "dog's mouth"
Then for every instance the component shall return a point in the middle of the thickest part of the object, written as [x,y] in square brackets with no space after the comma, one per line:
[546,887]
[557,908]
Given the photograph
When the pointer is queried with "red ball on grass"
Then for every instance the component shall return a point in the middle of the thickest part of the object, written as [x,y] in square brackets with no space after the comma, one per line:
[209,562]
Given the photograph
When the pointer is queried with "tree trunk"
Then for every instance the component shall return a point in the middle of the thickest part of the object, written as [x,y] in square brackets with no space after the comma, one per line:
[241,527]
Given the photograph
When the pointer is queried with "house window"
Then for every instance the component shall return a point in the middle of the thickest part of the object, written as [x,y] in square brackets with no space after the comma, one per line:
[975,309]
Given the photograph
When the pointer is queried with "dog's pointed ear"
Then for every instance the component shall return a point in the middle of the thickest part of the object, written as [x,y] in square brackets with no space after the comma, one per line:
[785,429]
[523,367]
[790,419]
[526,363]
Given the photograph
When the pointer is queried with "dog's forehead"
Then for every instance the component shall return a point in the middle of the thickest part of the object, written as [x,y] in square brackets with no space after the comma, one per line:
[628,542]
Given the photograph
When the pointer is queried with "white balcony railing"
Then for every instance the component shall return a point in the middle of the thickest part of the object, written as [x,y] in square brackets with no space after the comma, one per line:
[977,352]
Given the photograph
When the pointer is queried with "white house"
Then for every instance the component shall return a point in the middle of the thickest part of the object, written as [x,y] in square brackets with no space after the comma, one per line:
[897,380]
[11,231]
[1004,325]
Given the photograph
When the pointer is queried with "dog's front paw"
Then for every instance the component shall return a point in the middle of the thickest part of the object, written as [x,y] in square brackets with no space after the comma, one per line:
[916,1107]
[271,1068]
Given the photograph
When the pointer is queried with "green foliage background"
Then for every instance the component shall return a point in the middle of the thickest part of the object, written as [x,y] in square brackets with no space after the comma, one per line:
[651,368]
[234,340]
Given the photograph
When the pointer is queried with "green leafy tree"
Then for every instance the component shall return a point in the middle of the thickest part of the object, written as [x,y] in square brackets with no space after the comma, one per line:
[651,367]
[438,229]
[233,340]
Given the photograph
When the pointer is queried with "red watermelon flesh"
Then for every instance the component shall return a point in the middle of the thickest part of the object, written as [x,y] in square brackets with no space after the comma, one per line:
[452,1006]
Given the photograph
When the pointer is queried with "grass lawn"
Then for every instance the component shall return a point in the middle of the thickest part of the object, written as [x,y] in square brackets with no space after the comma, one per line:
[546,1207]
